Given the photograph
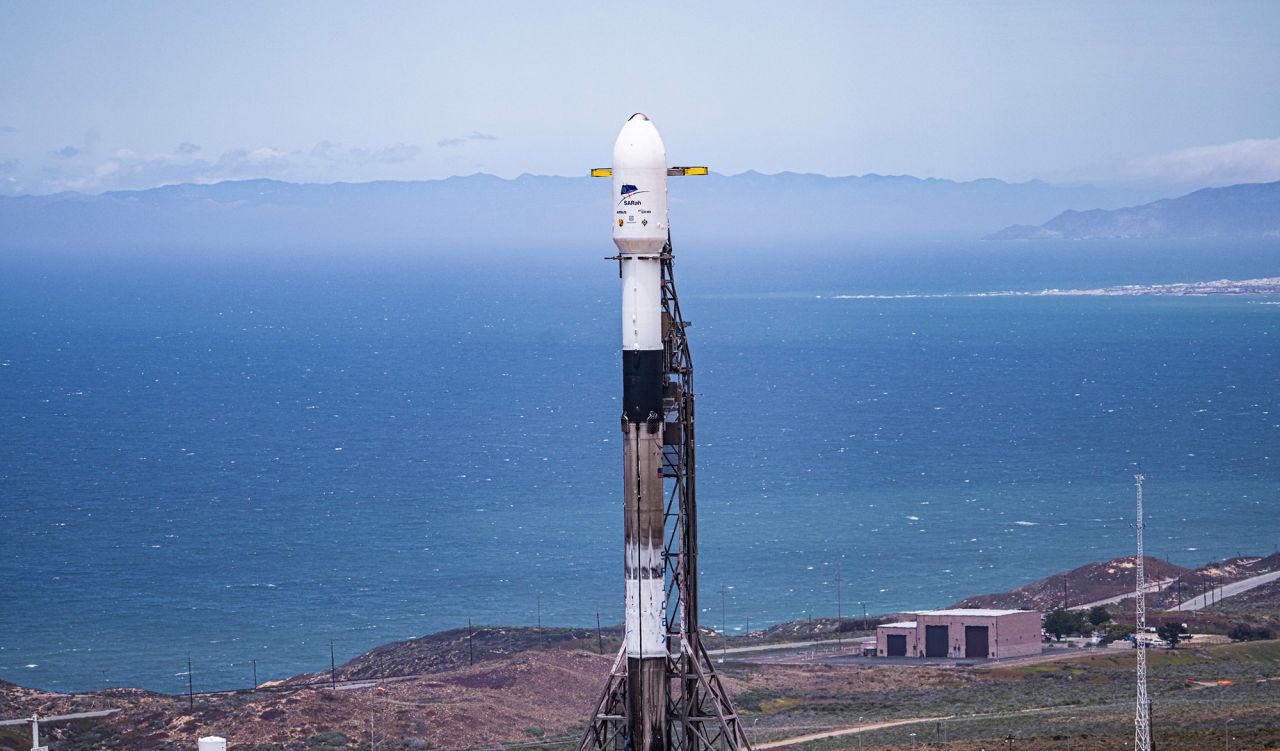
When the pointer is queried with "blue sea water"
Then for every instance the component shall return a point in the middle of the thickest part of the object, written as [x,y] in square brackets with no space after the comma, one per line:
[249,459]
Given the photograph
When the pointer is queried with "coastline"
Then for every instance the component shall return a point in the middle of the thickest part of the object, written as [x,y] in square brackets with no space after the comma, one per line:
[1260,286]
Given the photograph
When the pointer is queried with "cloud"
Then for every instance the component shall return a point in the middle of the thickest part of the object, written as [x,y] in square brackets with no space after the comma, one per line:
[91,138]
[252,162]
[475,135]
[1247,161]
[8,129]
[75,168]
[10,185]
[338,154]
[398,153]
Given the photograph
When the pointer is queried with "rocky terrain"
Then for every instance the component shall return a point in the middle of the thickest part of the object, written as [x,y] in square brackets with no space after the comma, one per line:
[523,688]
[1099,581]
[538,699]
[450,650]
[1088,583]
[526,697]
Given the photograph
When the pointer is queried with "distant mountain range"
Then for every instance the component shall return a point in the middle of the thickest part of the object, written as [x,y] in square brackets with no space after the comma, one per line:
[1237,212]
[749,210]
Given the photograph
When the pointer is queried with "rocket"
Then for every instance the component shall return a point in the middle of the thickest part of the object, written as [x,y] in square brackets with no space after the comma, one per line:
[668,695]
[640,233]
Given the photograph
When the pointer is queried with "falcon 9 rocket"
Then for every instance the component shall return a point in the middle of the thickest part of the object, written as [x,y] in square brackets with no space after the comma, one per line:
[662,693]
[640,232]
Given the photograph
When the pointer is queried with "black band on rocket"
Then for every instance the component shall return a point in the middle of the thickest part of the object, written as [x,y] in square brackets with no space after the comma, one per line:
[641,383]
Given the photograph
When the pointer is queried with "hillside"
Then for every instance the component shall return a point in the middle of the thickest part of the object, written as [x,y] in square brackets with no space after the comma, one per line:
[1114,578]
[457,648]
[519,698]
[539,699]
[1250,211]
[1093,581]
[532,688]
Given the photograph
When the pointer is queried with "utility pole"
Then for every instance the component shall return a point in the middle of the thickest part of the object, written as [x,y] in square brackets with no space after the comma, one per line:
[599,636]
[1142,706]
[333,667]
[471,645]
[839,614]
[191,695]
[255,674]
[724,624]
[865,627]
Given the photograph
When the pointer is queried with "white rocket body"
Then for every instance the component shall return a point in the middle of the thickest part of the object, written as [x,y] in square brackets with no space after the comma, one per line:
[640,232]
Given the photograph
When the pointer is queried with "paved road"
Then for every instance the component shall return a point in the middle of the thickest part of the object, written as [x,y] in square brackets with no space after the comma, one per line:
[59,718]
[853,642]
[1228,590]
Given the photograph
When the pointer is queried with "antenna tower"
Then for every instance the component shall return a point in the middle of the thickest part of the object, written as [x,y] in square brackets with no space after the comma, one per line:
[699,715]
[1142,708]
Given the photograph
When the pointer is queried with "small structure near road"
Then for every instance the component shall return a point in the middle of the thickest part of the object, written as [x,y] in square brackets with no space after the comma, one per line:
[963,633]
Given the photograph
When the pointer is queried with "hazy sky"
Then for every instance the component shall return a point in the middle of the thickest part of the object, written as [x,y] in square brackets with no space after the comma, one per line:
[103,95]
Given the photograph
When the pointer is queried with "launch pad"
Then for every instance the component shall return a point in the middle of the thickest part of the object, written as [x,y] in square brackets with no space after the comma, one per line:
[662,693]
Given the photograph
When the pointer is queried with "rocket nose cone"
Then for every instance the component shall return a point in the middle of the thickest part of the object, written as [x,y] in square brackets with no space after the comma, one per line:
[639,145]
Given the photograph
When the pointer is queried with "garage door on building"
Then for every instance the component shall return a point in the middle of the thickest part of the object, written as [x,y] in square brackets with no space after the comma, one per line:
[935,641]
[897,644]
[975,641]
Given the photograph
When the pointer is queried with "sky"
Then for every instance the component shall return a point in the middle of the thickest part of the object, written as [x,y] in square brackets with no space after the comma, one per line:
[100,96]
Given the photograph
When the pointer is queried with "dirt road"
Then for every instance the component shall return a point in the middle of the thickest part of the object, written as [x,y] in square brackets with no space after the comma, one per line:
[853,730]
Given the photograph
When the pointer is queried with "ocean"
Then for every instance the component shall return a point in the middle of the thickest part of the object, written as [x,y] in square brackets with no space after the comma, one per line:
[247,459]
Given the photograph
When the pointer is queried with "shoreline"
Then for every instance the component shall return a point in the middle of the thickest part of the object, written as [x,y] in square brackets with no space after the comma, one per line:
[452,648]
[1260,286]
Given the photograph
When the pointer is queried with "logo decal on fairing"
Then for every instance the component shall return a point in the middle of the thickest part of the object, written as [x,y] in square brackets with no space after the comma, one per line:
[629,193]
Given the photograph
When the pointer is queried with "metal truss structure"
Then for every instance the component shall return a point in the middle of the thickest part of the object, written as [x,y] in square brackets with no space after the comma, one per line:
[1142,705]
